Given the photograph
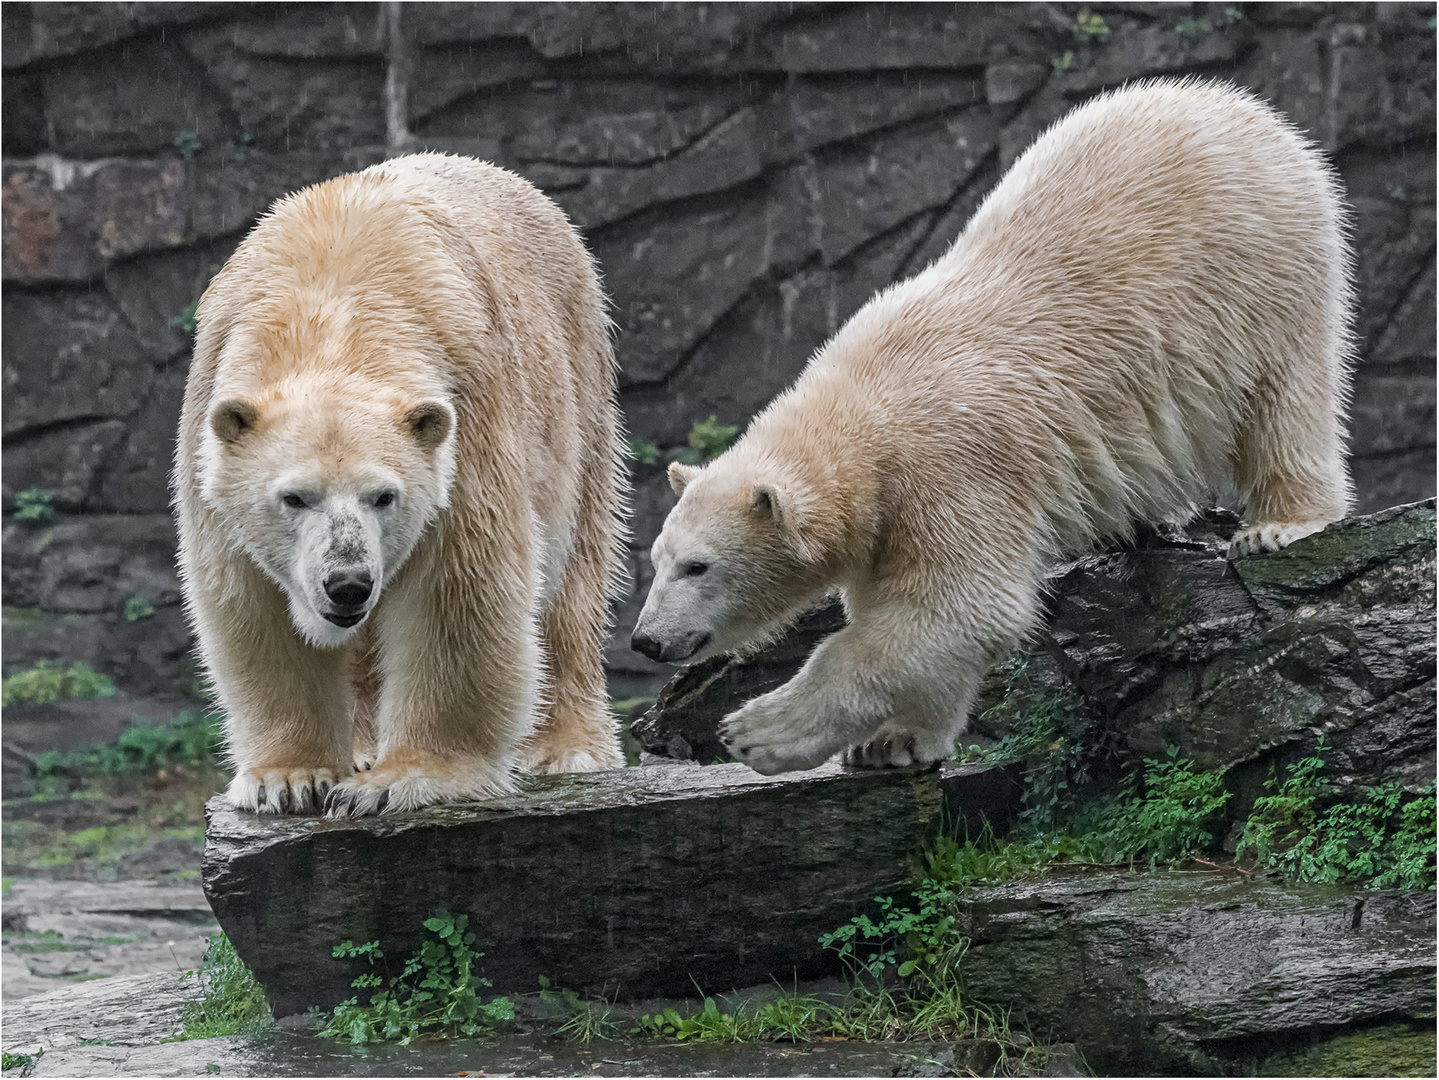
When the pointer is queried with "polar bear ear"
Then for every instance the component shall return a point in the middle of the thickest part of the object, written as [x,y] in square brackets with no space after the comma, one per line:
[766,501]
[773,502]
[430,422]
[680,476]
[231,419]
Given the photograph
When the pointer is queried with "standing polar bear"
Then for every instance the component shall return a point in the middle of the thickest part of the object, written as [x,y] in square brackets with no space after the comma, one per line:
[1154,300]
[397,484]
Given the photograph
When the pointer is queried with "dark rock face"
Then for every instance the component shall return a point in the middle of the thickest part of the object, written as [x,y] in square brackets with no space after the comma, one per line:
[681,724]
[1245,665]
[747,176]
[632,882]
[1189,973]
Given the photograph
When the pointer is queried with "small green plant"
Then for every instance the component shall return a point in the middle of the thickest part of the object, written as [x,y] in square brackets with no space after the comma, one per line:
[1384,841]
[191,739]
[708,439]
[187,144]
[646,453]
[1090,27]
[10,1061]
[437,993]
[138,607]
[47,682]
[1173,818]
[1054,735]
[35,504]
[1063,62]
[185,321]
[231,1002]
[1193,29]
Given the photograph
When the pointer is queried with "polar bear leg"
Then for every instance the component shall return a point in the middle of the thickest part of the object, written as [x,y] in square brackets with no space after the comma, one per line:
[1289,452]
[286,702]
[459,695]
[908,693]
[577,731]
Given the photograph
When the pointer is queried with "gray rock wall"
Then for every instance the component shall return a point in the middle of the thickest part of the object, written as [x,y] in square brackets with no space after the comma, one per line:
[746,174]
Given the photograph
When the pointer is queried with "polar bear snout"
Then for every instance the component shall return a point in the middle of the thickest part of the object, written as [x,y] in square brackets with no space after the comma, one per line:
[674,651]
[348,590]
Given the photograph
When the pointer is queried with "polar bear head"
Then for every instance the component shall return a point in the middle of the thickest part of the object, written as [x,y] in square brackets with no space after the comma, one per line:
[733,564]
[328,487]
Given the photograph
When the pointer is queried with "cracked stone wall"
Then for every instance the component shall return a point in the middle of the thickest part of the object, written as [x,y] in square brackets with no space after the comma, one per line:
[746,174]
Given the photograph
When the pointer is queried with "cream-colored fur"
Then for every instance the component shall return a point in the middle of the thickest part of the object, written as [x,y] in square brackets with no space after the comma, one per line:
[403,377]
[1154,300]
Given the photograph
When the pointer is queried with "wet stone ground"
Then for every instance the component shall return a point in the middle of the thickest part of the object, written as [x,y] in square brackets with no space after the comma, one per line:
[103,883]
[115,1028]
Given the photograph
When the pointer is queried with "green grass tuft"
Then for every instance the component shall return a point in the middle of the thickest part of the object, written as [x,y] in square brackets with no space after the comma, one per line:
[35,504]
[47,682]
[191,739]
[231,1002]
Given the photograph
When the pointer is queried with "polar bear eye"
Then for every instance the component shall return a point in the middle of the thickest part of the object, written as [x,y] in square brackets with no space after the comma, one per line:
[384,499]
[695,569]
[293,501]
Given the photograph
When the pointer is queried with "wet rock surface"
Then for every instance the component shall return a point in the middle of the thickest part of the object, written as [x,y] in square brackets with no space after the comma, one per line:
[1193,971]
[633,882]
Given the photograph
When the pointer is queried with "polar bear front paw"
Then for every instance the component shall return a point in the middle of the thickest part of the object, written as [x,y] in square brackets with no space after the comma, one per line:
[1271,536]
[281,790]
[765,736]
[407,779]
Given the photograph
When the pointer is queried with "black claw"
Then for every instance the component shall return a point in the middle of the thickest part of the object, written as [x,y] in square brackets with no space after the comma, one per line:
[368,765]
[331,798]
[306,803]
[284,799]
[322,793]
[384,801]
[260,798]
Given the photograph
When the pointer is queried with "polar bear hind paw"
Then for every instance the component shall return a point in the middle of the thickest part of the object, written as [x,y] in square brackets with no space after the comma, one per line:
[1271,536]
[410,779]
[282,790]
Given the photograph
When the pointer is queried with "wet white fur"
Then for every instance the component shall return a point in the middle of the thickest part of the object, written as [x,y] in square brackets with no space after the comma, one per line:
[427,282]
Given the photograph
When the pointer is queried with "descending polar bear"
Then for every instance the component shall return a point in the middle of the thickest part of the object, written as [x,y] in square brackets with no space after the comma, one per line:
[1154,300]
[397,485]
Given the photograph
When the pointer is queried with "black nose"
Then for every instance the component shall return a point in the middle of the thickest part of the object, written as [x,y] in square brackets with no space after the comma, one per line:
[349,589]
[642,643]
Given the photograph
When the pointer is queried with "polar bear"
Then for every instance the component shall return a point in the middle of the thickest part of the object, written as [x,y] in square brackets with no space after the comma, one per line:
[1153,301]
[398,483]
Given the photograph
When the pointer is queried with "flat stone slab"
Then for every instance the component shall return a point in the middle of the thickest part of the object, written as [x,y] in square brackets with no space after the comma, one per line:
[126,1011]
[59,930]
[630,883]
[1179,971]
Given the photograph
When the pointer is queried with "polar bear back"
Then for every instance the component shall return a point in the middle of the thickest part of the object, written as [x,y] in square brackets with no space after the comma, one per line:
[1088,350]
